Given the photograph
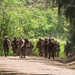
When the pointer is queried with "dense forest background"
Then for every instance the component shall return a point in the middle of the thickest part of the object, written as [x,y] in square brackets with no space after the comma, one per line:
[32,19]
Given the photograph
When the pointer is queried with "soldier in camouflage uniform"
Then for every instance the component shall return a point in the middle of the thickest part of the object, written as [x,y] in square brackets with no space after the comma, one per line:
[45,45]
[40,47]
[14,45]
[51,48]
[21,47]
[27,46]
[6,43]
[67,48]
[31,47]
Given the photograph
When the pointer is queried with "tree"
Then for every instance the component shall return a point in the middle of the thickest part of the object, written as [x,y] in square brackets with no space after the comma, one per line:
[33,20]
[67,7]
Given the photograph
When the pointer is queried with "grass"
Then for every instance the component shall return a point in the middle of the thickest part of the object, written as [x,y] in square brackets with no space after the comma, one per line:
[62,53]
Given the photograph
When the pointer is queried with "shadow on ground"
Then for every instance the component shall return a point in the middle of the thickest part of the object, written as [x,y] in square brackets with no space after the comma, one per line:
[13,73]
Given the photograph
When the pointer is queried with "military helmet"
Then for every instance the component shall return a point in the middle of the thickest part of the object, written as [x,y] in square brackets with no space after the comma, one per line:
[6,37]
[14,37]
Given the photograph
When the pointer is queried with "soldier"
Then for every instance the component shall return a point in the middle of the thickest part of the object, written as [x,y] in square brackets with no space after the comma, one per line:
[67,48]
[27,46]
[21,47]
[14,45]
[40,47]
[55,48]
[31,47]
[51,48]
[45,45]
[6,43]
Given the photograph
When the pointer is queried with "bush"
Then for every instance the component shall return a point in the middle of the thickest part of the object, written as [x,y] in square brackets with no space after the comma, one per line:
[62,53]
[10,52]
[1,51]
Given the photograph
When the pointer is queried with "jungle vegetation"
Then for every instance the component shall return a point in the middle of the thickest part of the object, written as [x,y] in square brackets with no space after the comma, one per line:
[37,18]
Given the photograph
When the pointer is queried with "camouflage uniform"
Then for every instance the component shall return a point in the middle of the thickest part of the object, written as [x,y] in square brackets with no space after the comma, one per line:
[21,47]
[40,47]
[27,46]
[6,43]
[45,45]
[31,47]
[51,48]
[67,49]
[14,45]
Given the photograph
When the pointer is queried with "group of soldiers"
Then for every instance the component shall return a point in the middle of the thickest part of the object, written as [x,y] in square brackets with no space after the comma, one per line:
[48,48]
[51,48]
[18,45]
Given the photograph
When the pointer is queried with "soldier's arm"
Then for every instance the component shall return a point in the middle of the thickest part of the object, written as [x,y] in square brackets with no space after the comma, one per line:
[23,43]
[9,42]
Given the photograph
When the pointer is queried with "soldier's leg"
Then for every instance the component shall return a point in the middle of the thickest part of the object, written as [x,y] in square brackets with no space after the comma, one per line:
[41,53]
[14,51]
[20,53]
[66,53]
[5,52]
[44,52]
[49,55]
[46,55]
[53,54]
[31,52]
[24,53]
[28,51]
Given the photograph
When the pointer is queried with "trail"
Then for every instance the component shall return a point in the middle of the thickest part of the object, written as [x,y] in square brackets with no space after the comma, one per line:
[32,65]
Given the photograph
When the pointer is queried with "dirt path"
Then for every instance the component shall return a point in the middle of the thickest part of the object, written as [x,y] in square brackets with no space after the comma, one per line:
[32,66]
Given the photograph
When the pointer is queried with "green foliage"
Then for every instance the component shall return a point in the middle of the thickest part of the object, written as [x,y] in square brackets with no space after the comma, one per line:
[68,8]
[10,52]
[31,20]
[1,52]
[62,53]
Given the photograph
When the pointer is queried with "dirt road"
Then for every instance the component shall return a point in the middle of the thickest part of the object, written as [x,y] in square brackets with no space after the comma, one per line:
[32,66]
